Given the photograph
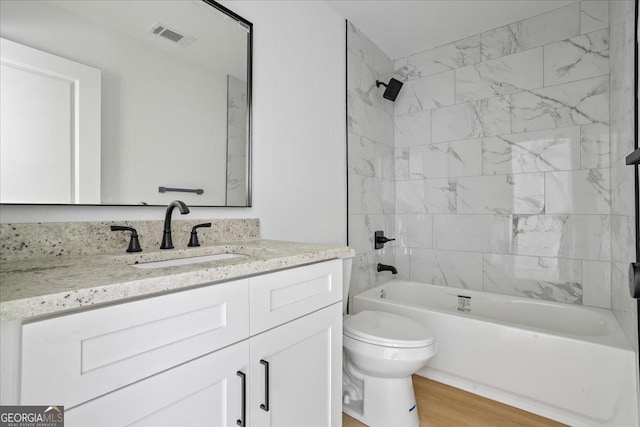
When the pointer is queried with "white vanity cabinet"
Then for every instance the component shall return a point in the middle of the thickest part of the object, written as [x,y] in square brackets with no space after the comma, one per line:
[197,357]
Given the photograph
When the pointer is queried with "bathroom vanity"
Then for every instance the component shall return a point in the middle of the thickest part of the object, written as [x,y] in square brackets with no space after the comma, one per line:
[251,340]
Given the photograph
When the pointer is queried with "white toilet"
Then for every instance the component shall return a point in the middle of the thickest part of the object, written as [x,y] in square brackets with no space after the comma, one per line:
[380,353]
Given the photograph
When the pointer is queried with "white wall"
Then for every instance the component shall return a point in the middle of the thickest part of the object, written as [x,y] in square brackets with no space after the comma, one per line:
[299,163]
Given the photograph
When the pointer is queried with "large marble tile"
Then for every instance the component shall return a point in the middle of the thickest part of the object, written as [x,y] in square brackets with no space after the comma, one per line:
[596,284]
[501,194]
[585,237]
[578,58]
[401,165]
[594,15]
[369,55]
[559,24]
[489,116]
[413,129]
[368,121]
[362,274]
[362,227]
[624,307]
[622,113]
[622,66]
[444,58]
[568,104]
[622,190]
[594,146]
[538,151]
[448,159]
[447,268]
[551,279]
[402,262]
[354,65]
[359,44]
[622,130]
[426,196]
[410,197]
[414,230]
[370,158]
[382,64]
[478,233]
[370,195]
[362,76]
[578,192]
[425,94]
[502,76]
[623,238]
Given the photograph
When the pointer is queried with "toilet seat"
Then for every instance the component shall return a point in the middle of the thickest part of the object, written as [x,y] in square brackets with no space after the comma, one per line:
[387,329]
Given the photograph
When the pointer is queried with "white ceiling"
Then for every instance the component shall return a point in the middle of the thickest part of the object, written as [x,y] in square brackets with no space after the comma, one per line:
[220,43]
[401,28]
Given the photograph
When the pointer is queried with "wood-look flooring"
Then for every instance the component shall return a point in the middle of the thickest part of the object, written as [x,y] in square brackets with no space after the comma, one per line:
[440,405]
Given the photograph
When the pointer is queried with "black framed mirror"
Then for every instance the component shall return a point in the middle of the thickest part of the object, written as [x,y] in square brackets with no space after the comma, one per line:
[125,103]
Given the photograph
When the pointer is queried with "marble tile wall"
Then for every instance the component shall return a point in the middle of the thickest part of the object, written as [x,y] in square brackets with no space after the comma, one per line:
[504,172]
[236,142]
[371,157]
[622,176]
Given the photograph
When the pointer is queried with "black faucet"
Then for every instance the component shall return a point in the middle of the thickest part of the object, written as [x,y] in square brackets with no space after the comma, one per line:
[167,243]
[391,268]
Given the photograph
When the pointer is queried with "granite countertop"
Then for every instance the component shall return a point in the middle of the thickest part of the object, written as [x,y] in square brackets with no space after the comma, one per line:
[50,285]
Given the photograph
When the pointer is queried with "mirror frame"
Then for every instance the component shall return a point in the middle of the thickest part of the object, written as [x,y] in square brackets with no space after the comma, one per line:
[249,26]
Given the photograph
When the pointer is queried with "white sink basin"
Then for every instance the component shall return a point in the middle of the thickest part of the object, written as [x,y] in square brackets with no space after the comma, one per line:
[186,261]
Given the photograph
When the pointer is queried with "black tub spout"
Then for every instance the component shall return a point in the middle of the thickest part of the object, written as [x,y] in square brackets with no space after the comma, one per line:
[383,267]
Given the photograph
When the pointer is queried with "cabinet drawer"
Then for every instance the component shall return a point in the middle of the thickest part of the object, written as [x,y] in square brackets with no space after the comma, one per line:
[71,359]
[279,297]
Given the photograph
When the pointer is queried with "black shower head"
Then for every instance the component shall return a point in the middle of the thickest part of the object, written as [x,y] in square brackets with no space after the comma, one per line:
[392,89]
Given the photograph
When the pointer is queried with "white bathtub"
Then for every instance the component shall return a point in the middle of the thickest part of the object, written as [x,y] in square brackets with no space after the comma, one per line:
[565,362]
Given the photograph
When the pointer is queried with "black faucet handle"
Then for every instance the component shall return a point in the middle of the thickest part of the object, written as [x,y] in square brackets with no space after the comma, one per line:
[380,240]
[134,243]
[193,241]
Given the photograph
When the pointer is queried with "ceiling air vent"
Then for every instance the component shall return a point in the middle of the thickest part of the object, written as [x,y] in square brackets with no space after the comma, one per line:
[171,34]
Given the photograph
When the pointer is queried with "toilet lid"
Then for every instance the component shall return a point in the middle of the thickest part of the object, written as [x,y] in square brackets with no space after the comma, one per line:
[387,329]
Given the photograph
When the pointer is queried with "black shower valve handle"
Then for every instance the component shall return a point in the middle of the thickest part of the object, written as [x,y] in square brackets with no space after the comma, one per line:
[380,240]
[193,241]
[134,243]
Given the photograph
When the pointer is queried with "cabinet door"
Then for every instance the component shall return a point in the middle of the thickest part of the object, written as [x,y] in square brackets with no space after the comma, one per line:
[203,392]
[304,361]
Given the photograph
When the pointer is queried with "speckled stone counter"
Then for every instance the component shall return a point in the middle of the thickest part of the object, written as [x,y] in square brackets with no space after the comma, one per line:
[46,269]
[50,285]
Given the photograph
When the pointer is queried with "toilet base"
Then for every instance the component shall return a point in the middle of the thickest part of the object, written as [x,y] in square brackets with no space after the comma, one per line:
[387,402]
